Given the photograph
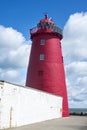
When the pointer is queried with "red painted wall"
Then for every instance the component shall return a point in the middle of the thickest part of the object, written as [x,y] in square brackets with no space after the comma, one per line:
[48,74]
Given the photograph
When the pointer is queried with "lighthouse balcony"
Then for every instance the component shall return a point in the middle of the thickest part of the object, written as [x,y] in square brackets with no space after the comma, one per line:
[46,27]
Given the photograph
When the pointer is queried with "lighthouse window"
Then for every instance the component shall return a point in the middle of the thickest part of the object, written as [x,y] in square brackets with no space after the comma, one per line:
[60,44]
[62,59]
[42,42]
[42,56]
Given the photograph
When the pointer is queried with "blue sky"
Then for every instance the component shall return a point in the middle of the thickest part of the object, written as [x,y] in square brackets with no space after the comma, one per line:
[24,14]
[18,16]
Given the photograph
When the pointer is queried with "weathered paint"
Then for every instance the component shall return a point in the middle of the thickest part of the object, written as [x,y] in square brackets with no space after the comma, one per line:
[47,74]
[23,105]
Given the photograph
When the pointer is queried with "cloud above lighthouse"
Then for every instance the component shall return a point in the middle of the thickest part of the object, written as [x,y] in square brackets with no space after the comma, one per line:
[15,50]
[74,46]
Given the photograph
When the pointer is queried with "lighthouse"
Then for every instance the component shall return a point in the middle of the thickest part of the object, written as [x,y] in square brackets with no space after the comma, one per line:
[46,68]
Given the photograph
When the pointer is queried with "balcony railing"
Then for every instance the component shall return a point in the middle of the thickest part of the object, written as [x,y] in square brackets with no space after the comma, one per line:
[42,26]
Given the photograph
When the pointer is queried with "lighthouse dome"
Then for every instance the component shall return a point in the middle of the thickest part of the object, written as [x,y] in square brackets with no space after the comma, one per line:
[46,25]
[46,19]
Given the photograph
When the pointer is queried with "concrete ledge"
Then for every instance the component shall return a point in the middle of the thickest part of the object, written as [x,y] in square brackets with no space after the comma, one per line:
[68,123]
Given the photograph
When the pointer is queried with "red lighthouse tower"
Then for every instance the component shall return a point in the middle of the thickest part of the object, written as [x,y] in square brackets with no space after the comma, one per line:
[46,68]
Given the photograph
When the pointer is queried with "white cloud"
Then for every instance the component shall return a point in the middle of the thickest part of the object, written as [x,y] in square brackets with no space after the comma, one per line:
[10,74]
[74,41]
[14,54]
[10,38]
[82,81]
[75,58]
[14,50]
[77,68]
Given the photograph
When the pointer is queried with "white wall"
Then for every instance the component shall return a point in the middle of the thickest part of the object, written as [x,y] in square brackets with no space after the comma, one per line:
[23,105]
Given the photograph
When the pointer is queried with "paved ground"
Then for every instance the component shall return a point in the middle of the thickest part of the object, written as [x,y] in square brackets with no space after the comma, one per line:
[69,123]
